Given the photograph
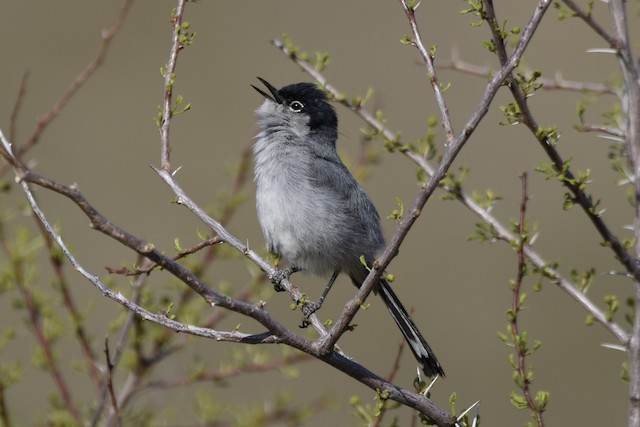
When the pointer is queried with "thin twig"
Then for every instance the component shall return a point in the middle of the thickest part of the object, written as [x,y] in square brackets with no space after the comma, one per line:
[428,58]
[37,328]
[148,268]
[395,368]
[107,37]
[227,373]
[69,302]
[123,336]
[13,119]
[114,401]
[556,83]
[4,409]
[169,77]
[591,22]
[523,379]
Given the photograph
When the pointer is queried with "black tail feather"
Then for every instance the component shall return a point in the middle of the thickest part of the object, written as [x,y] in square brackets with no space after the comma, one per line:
[418,345]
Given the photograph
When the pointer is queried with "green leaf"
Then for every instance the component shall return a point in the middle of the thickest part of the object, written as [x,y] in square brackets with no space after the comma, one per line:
[541,400]
[518,400]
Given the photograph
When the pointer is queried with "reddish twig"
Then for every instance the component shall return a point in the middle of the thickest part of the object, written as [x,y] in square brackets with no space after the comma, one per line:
[112,395]
[13,119]
[588,19]
[107,37]
[76,317]
[224,374]
[519,345]
[37,328]
[147,269]
[395,368]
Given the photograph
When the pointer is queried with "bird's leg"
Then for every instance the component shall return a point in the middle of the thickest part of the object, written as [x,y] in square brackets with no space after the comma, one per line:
[311,307]
[281,275]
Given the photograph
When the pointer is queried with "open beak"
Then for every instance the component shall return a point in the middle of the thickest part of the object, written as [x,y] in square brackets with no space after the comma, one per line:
[276,96]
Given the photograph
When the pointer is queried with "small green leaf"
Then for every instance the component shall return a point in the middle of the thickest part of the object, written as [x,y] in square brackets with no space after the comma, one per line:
[518,400]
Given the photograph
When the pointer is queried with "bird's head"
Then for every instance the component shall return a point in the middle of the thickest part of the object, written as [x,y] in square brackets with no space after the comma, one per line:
[302,107]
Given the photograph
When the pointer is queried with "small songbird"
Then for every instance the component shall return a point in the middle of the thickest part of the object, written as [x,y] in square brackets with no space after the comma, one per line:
[312,211]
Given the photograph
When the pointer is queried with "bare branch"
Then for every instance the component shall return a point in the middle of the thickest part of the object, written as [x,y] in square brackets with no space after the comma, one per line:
[45,344]
[13,119]
[70,304]
[431,71]
[121,340]
[147,269]
[571,183]
[631,108]
[107,37]
[439,174]
[556,83]
[114,401]
[588,19]
[500,230]
[169,77]
[277,333]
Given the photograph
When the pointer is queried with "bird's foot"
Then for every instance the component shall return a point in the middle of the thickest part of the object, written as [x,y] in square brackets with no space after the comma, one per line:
[308,308]
[278,276]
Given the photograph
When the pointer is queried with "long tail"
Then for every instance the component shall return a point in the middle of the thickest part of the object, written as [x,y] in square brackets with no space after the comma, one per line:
[421,350]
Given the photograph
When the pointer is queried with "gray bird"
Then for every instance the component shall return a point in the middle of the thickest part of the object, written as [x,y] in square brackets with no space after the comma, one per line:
[312,211]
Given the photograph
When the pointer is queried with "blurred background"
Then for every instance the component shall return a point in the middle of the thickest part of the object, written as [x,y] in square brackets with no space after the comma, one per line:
[106,139]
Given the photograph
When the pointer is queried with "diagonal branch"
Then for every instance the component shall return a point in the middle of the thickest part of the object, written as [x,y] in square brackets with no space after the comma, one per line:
[107,37]
[588,19]
[431,71]
[277,332]
[571,183]
[501,231]
[439,174]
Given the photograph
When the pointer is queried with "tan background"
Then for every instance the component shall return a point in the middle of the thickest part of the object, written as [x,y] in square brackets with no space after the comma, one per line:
[106,140]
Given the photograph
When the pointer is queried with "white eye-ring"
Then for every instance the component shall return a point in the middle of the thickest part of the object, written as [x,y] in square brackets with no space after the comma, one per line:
[296,106]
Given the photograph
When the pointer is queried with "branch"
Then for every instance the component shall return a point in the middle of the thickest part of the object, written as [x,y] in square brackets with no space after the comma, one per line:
[427,189]
[569,181]
[69,302]
[431,71]
[556,83]
[500,230]
[45,344]
[109,376]
[226,373]
[147,269]
[277,333]
[588,19]
[107,37]
[169,77]
[523,378]
[631,108]
[121,340]
[13,119]
[100,223]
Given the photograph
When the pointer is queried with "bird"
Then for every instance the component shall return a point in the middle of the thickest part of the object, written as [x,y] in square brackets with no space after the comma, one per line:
[312,212]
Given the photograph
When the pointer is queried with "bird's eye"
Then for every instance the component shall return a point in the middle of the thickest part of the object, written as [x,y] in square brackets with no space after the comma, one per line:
[296,106]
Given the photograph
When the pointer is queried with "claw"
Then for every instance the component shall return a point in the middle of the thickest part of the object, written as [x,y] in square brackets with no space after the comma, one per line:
[308,309]
[279,276]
